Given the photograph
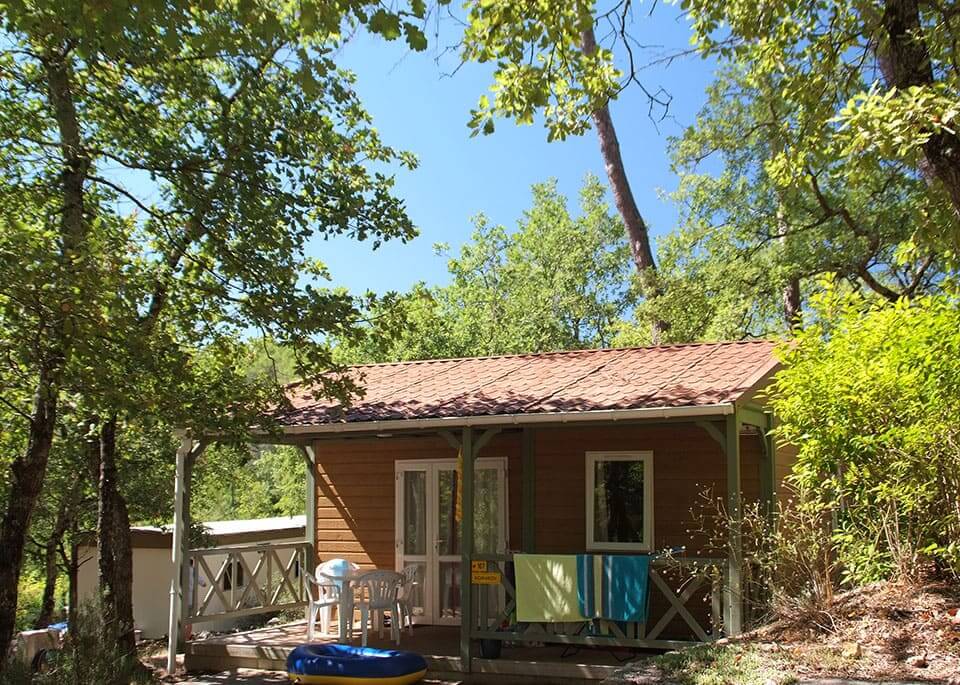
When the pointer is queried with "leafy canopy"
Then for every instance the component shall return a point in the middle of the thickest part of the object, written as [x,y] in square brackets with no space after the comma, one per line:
[862,87]
[539,64]
[214,140]
[744,235]
[559,281]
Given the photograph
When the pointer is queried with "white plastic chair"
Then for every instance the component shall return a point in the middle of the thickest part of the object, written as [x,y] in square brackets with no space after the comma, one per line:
[339,570]
[377,593]
[405,597]
[323,592]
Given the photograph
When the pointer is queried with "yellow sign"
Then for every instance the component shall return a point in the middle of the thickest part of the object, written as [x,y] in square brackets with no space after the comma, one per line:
[478,566]
[485,577]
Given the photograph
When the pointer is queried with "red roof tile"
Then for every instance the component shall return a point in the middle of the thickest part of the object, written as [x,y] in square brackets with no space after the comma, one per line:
[575,381]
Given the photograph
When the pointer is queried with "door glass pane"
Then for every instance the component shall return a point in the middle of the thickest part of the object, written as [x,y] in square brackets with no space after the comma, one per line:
[414,512]
[486,523]
[449,587]
[448,542]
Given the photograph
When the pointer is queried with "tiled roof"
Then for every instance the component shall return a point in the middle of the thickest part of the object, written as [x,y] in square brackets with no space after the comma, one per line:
[575,381]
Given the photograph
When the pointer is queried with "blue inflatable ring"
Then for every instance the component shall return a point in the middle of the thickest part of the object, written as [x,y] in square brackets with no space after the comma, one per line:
[335,664]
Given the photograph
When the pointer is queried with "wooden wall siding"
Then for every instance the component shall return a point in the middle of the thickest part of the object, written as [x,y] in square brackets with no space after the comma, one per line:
[687,462]
[786,458]
[356,495]
[356,492]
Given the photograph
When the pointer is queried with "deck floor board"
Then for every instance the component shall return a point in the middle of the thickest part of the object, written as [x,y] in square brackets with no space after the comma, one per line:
[267,648]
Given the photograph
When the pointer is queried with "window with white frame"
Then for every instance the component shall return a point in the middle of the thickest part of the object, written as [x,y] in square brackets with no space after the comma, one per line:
[620,501]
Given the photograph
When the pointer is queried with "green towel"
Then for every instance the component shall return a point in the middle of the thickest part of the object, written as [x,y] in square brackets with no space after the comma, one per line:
[547,588]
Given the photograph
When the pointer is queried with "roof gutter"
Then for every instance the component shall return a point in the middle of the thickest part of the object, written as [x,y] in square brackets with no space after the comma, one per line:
[513,419]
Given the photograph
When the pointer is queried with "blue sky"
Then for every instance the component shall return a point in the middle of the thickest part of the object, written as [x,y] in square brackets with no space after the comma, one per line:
[417,107]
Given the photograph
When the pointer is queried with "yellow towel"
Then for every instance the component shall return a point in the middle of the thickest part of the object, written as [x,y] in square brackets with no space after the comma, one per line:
[547,588]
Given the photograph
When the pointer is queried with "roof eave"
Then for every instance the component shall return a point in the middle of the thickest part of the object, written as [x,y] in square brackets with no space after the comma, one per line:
[643,413]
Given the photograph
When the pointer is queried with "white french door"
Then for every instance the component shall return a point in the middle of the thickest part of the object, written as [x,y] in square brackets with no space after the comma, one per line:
[428,530]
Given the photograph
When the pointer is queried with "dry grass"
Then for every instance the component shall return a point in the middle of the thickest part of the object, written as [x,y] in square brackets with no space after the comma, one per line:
[872,633]
[887,624]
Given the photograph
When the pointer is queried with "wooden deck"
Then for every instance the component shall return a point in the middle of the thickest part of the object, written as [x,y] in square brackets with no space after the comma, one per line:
[268,648]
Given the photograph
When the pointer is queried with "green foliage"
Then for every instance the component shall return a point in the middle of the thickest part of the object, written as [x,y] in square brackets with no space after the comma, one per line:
[214,142]
[163,168]
[870,395]
[237,482]
[558,282]
[234,481]
[539,66]
[745,233]
[860,90]
[30,596]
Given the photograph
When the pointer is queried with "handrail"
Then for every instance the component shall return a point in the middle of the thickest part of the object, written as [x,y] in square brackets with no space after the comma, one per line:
[656,561]
[210,551]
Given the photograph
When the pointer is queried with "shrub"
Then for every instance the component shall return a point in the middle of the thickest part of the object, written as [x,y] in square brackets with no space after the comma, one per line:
[29,598]
[789,570]
[87,657]
[870,395]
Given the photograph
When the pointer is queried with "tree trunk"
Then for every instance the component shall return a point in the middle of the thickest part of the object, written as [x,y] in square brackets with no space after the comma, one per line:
[28,470]
[792,303]
[904,60]
[638,234]
[51,570]
[26,481]
[114,555]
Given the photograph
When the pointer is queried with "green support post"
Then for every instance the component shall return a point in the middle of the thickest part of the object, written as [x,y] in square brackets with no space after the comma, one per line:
[771,443]
[466,549]
[768,467]
[528,491]
[734,609]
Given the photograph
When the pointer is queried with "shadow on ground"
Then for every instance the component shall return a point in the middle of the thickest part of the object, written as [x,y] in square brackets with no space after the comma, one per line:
[242,676]
[245,676]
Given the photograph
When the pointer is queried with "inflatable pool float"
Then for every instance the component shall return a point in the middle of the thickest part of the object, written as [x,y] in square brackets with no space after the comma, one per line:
[333,664]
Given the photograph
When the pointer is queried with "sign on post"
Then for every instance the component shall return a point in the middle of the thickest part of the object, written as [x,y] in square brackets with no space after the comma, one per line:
[480,575]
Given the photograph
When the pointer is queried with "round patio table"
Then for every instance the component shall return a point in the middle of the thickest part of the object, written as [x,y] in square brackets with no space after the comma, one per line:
[344,573]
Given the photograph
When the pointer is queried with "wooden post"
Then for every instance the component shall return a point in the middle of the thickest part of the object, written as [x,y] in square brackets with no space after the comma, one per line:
[466,547]
[734,610]
[770,471]
[528,491]
[310,526]
[187,574]
[178,548]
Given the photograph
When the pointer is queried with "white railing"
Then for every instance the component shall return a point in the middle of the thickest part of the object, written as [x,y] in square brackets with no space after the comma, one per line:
[230,582]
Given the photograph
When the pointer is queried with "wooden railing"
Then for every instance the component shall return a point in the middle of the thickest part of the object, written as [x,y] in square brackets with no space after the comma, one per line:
[699,577]
[230,582]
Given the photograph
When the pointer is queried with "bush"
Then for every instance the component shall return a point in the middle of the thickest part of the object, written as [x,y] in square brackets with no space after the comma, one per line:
[87,657]
[29,598]
[789,570]
[870,395]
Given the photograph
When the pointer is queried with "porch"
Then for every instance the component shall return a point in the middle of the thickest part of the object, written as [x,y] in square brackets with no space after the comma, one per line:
[577,651]
[267,649]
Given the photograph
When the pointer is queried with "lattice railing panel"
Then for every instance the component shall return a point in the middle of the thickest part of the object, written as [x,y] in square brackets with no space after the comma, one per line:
[226,582]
